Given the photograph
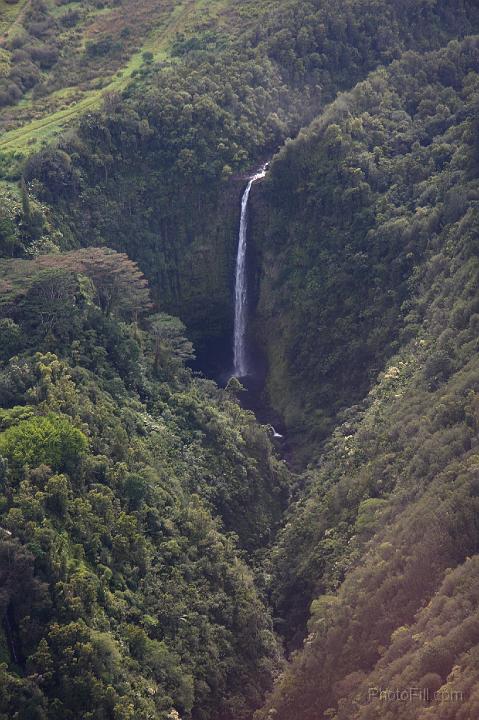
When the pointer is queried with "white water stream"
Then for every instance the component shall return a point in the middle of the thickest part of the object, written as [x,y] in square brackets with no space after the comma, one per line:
[240,358]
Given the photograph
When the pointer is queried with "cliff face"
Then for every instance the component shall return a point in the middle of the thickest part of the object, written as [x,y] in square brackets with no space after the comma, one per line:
[187,252]
[184,239]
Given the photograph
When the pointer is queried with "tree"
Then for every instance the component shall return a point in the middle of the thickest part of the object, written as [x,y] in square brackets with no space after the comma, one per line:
[120,287]
[169,340]
[10,338]
[50,304]
[49,440]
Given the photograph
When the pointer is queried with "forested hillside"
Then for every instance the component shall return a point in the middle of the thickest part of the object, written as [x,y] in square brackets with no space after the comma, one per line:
[159,558]
[349,213]
[382,537]
[127,489]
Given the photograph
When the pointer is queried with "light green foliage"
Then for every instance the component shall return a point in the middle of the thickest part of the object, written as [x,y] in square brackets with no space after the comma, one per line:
[49,440]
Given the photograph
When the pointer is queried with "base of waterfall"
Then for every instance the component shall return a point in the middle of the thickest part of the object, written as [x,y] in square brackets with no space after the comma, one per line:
[253,397]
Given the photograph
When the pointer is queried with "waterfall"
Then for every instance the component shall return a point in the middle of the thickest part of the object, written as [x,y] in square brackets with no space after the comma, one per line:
[240,362]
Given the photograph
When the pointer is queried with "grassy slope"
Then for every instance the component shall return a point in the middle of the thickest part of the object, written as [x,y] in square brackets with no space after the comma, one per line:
[10,16]
[183,17]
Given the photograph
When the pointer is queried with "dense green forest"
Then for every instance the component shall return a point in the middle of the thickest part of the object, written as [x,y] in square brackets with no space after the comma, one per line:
[391,508]
[148,175]
[130,490]
[162,555]
[351,210]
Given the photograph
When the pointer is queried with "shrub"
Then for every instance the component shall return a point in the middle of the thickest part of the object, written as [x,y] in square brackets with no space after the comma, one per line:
[49,440]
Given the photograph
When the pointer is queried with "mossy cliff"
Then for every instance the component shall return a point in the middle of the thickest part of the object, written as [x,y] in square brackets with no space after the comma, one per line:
[184,242]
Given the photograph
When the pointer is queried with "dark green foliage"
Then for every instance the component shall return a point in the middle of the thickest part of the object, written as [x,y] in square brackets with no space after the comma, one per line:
[7,234]
[393,504]
[10,338]
[351,209]
[126,491]
[337,44]
[151,168]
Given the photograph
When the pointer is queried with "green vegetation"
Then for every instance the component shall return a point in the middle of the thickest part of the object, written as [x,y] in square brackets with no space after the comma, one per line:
[158,168]
[73,86]
[347,218]
[49,440]
[127,490]
[59,62]
[392,508]
[156,553]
